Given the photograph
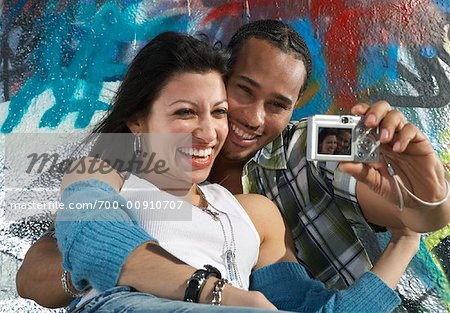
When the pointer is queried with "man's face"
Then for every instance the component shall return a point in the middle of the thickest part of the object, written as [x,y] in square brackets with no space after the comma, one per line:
[262,93]
[343,141]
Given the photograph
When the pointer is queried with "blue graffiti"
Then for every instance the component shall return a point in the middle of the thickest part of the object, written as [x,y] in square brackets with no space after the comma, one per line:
[378,65]
[322,99]
[428,52]
[444,5]
[74,59]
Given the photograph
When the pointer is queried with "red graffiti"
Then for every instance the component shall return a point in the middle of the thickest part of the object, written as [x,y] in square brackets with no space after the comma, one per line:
[346,29]
[258,9]
[230,9]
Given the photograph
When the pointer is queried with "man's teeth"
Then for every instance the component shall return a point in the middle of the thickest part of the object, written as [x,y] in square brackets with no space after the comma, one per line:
[241,133]
[197,152]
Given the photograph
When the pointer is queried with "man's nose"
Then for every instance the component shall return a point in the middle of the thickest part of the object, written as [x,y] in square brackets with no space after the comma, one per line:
[254,116]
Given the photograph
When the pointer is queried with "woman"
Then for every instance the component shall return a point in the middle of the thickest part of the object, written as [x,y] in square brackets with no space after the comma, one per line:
[181,90]
[327,141]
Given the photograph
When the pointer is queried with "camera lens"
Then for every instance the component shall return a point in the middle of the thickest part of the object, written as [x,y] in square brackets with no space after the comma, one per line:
[344,120]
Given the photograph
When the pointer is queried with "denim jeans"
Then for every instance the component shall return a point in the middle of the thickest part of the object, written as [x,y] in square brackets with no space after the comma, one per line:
[124,299]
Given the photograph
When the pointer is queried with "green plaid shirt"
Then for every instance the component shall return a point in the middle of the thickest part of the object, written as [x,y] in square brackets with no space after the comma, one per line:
[332,238]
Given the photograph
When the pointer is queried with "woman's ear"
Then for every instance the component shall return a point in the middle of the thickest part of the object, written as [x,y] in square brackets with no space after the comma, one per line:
[136,126]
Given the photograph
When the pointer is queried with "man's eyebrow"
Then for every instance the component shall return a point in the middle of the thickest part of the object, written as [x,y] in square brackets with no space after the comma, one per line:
[250,81]
[283,98]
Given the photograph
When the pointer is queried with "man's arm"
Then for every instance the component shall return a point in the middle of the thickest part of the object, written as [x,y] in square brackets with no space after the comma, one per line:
[39,277]
[379,211]
[287,285]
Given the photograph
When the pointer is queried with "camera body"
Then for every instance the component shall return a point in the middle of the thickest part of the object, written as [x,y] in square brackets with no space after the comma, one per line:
[341,138]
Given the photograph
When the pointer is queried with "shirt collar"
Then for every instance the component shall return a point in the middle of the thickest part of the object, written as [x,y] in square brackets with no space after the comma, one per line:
[272,156]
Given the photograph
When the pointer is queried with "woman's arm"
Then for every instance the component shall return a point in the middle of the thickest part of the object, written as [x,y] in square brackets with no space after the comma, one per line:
[106,248]
[287,285]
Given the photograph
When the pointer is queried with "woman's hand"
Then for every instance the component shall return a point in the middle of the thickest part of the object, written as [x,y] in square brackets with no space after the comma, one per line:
[232,296]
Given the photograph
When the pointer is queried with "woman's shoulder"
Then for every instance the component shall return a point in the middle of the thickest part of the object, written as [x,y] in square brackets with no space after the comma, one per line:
[92,168]
[262,210]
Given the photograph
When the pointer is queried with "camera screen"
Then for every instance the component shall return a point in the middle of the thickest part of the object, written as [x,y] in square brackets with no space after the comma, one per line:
[336,141]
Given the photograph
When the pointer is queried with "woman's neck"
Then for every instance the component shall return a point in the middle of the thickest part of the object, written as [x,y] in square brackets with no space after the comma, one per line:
[227,173]
[192,196]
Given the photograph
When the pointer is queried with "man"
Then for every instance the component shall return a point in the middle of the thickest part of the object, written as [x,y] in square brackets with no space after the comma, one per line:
[344,139]
[270,66]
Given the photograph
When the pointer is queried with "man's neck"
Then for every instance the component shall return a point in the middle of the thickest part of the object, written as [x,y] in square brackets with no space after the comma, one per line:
[227,173]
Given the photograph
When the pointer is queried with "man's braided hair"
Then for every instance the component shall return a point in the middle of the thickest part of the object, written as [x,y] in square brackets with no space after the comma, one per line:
[276,33]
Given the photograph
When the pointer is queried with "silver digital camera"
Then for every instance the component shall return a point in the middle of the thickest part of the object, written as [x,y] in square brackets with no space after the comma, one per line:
[341,138]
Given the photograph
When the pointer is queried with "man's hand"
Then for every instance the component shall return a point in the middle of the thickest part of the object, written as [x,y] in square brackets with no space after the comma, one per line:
[39,277]
[408,239]
[413,159]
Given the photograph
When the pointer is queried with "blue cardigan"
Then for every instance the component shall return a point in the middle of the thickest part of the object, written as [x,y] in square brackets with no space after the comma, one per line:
[96,242]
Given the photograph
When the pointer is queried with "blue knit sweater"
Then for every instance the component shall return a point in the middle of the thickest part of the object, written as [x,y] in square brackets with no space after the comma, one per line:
[288,287]
[96,242]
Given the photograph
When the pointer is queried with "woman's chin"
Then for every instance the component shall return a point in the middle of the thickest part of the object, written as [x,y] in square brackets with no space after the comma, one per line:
[198,178]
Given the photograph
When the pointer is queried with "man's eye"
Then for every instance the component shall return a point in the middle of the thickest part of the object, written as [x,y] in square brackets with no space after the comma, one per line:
[279,105]
[245,89]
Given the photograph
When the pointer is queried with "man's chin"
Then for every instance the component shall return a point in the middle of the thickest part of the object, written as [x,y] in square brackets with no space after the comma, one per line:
[242,156]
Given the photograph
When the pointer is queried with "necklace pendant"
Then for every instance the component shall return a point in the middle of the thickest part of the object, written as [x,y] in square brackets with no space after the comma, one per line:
[214,215]
[231,267]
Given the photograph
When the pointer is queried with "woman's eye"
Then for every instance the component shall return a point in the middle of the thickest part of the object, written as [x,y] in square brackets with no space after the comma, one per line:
[220,112]
[184,112]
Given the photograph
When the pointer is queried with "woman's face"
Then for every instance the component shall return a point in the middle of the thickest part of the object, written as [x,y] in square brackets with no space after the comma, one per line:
[188,124]
[329,144]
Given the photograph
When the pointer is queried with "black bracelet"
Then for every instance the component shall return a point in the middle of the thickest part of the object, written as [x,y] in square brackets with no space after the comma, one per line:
[197,281]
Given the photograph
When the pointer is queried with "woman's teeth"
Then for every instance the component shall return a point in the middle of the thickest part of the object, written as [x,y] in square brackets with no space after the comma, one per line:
[201,153]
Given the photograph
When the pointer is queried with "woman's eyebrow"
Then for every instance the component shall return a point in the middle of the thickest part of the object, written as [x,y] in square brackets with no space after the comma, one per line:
[183,101]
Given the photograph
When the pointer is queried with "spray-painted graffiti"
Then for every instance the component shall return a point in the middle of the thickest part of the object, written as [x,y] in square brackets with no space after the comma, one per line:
[81,46]
[75,52]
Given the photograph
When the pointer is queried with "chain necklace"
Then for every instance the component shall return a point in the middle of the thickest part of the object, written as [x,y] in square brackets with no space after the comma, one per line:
[229,250]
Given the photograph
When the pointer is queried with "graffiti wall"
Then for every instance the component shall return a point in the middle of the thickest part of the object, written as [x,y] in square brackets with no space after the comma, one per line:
[61,62]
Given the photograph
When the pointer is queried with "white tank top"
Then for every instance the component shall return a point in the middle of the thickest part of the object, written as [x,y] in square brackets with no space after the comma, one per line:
[199,240]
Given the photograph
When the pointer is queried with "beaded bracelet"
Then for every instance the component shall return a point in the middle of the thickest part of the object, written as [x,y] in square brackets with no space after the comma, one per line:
[219,286]
[197,281]
[65,285]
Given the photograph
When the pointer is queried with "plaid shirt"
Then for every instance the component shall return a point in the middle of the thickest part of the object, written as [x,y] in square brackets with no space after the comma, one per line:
[307,197]
[332,238]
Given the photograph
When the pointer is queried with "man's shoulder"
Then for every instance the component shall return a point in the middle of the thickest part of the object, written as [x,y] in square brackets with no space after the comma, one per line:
[299,126]
[294,136]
